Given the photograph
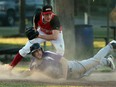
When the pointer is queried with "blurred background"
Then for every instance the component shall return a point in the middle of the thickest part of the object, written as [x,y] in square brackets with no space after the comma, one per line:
[88,25]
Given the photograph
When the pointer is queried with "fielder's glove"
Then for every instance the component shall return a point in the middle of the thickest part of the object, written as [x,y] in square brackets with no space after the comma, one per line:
[31,33]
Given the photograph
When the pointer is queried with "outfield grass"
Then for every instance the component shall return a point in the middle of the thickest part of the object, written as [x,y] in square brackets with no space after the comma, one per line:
[22,41]
[6,39]
[8,31]
[17,41]
[32,84]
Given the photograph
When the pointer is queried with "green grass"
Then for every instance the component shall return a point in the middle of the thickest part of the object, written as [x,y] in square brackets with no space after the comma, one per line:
[101,32]
[28,84]
[8,31]
[21,84]
[7,41]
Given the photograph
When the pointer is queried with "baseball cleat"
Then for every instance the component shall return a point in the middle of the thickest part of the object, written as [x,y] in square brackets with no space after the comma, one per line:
[113,44]
[111,62]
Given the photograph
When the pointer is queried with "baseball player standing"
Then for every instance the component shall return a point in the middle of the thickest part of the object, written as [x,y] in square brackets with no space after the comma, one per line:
[56,66]
[47,28]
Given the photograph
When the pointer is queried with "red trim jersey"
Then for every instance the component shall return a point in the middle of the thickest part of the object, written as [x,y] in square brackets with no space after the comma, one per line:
[47,28]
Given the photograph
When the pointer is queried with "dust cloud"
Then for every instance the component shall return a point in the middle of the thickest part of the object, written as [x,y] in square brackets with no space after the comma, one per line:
[15,74]
[104,76]
[40,76]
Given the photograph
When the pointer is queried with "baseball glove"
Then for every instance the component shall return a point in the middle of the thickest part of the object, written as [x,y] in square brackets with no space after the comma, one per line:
[31,33]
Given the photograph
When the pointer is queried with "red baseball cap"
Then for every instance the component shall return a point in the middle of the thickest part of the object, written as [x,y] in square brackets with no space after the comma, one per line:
[47,9]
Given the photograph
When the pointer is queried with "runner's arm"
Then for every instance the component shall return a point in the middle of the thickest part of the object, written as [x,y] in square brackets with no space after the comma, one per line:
[64,67]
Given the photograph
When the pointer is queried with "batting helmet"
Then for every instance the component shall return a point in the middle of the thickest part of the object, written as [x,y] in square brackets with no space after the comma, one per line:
[35,47]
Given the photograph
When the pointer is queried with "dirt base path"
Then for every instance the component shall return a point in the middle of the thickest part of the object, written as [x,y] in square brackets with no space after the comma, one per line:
[94,80]
[64,83]
[109,76]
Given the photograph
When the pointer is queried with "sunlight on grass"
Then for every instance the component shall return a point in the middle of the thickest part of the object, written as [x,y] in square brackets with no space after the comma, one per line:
[99,44]
[22,41]
[17,41]
[21,68]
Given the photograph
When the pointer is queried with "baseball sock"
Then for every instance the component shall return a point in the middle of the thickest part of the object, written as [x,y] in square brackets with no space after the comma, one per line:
[16,60]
